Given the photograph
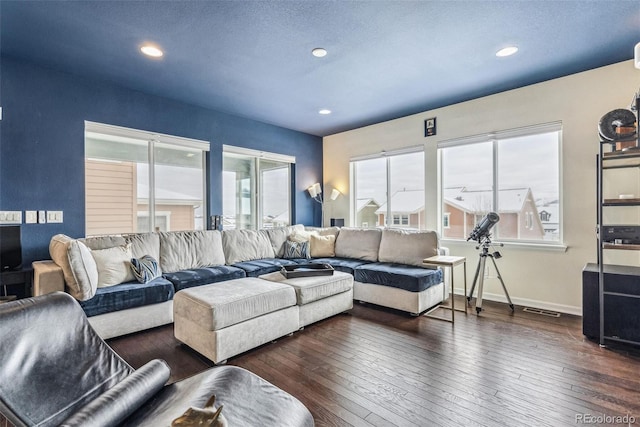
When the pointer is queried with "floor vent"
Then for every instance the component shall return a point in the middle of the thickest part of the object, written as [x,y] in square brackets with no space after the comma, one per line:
[541,312]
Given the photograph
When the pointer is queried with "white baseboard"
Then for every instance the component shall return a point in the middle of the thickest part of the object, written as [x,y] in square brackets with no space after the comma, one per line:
[561,308]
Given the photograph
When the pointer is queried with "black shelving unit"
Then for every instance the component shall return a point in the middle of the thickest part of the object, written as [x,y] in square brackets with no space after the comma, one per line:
[609,159]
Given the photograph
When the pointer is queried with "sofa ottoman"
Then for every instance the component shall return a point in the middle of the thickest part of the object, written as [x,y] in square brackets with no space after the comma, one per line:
[319,297]
[224,319]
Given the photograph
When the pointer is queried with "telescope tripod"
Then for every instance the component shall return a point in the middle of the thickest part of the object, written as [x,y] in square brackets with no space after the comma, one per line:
[480,270]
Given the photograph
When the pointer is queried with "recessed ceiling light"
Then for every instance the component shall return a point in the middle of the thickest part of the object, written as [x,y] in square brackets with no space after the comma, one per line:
[324,111]
[151,50]
[319,52]
[507,51]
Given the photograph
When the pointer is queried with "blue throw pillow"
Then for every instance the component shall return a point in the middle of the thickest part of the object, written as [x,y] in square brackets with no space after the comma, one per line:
[145,269]
[296,250]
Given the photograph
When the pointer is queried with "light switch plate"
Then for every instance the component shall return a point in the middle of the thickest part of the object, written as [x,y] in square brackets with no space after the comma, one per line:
[54,217]
[42,217]
[30,217]
[10,217]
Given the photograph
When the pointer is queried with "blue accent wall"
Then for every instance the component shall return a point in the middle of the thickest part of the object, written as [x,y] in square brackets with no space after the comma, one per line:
[42,144]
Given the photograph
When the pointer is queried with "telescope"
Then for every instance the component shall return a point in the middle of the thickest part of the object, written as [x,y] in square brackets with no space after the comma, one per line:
[483,228]
[481,233]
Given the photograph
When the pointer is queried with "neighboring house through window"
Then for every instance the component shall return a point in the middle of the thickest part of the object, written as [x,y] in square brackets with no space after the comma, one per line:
[515,173]
[138,181]
[399,174]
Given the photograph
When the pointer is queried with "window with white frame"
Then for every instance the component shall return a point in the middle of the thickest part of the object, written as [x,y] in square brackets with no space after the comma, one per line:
[139,181]
[446,217]
[515,173]
[256,189]
[388,189]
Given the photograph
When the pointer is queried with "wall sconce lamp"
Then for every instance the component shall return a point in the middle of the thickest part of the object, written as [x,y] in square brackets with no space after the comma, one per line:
[636,56]
[315,191]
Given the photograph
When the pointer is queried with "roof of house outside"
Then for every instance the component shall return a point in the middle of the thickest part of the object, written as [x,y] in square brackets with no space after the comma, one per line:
[477,201]
[404,201]
[474,201]
[363,203]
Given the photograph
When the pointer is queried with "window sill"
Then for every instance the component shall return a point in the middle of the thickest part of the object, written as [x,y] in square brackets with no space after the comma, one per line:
[547,247]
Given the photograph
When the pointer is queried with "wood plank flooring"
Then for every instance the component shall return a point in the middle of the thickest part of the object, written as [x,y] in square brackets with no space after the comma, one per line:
[379,367]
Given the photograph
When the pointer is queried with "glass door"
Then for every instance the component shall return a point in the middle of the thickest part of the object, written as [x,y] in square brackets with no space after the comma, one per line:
[274,193]
[238,193]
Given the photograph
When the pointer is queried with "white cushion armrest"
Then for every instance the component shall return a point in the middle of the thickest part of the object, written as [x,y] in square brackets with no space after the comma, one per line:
[47,277]
[443,250]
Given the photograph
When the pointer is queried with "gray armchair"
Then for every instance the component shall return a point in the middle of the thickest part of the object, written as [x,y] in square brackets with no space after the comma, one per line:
[55,370]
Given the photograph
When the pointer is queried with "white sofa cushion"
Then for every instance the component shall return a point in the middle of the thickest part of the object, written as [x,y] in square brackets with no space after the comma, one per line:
[246,245]
[80,273]
[407,247]
[144,244]
[103,242]
[358,243]
[300,236]
[279,235]
[183,250]
[314,288]
[114,265]
[217,306]
[325,231]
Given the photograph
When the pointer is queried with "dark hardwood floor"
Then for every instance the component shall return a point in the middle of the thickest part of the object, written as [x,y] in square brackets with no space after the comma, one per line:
[379,367]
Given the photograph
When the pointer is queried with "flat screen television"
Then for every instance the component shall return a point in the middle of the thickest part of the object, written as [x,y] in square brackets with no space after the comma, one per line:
[10,247]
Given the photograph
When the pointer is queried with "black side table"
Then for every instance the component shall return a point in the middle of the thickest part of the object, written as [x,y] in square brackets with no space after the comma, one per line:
[12,278]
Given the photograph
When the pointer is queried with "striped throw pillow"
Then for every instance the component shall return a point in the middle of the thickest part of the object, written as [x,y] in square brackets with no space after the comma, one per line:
[145,269]
[296,249]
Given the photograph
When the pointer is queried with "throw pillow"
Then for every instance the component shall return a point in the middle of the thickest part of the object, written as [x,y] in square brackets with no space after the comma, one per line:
[302,235]
[322,246]
[296,249]
[113,265]
[59,251]
[145,268]
[83,268]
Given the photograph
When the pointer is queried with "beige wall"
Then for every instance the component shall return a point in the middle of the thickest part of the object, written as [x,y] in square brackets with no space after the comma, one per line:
[537,277]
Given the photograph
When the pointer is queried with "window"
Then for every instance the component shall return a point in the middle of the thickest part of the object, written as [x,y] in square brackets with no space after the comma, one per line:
[445,219]
[529,221]
[514,173]
[138,181]
[399,174]
[256,189]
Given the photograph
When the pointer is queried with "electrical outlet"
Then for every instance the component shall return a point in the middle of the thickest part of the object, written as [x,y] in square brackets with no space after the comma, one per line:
[42,217]
[30,217]
[54,217]
[10,217]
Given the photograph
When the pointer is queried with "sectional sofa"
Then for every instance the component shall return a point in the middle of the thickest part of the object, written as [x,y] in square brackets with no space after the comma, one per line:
[386,266]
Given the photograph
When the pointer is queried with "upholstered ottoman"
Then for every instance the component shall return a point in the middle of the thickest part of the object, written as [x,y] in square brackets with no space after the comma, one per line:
[319,297]
[227,318]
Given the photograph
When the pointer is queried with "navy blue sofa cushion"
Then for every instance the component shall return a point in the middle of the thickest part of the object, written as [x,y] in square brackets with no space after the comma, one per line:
[258,267]
[128,295]
[203,276]
[346,265]
[407,277]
